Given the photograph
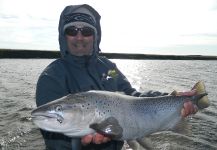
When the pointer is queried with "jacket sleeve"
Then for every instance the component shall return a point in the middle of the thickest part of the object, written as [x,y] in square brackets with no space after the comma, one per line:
[51,85]
[48,89]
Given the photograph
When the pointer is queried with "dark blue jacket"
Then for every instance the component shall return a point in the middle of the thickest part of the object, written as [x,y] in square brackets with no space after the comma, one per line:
[73,74]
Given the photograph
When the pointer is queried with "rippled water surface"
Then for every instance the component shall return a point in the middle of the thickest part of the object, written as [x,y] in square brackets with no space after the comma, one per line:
[18,79]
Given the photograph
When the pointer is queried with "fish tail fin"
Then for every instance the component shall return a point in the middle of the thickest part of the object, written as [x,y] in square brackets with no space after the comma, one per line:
[200,89]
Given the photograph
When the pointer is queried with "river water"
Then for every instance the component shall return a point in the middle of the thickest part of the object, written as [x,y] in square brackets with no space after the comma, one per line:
[18,78]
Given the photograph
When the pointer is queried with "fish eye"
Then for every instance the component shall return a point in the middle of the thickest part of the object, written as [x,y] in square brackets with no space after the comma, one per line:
[58,108]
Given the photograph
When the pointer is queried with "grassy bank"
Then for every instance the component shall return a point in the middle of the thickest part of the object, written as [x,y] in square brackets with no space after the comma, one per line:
[18,53]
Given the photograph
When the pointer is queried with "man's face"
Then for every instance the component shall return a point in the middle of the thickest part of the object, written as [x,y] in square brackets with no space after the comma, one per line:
[79,44]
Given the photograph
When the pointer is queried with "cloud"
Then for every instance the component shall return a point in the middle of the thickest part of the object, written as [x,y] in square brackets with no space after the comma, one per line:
[214,35]
[5,16]
[214,6]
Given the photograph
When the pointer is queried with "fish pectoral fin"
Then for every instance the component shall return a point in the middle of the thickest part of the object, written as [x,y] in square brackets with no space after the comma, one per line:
[109,127]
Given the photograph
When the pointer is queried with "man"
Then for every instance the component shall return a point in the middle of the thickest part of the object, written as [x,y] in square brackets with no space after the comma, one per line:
[81,69]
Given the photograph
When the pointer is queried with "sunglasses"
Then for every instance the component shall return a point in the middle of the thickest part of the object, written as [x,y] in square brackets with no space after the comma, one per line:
[85,31]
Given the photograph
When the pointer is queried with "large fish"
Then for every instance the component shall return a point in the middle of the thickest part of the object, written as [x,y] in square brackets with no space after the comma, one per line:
[116,115]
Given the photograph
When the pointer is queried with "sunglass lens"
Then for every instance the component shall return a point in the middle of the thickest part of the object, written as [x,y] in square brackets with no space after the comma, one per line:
[86,31]
[71,31]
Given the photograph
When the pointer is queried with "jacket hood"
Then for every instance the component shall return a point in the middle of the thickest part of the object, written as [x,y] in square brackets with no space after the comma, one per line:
[85,9]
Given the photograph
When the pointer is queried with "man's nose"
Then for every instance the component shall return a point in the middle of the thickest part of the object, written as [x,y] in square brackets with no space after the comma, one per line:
[79,36]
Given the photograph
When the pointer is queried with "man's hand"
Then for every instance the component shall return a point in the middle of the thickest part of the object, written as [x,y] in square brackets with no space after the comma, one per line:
[188,108]
[96,139]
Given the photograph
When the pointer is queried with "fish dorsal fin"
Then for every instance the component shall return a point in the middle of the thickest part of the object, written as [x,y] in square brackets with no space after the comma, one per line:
[109,127]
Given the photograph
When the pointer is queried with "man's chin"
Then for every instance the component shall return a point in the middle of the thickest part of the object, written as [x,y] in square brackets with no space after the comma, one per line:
[81,53]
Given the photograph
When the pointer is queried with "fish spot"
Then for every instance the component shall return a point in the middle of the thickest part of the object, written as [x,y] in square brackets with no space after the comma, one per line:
[60,121]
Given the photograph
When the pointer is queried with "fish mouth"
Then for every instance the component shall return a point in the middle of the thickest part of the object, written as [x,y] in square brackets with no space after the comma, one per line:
[43,116]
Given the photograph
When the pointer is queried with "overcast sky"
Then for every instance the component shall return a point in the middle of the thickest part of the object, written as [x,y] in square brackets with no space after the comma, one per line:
[180,27]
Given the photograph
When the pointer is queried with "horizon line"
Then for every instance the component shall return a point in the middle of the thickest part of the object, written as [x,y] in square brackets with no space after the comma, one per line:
[31,53]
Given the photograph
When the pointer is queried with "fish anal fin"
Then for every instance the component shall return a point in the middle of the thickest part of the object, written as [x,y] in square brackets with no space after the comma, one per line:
[145,143]
[133,144]
[141,144]
[182,127]
[109,127]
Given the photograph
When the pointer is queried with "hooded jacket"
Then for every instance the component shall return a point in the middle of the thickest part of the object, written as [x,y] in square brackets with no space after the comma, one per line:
[72,74]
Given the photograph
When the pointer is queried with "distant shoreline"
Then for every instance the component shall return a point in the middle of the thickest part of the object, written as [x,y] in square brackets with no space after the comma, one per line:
[39,54]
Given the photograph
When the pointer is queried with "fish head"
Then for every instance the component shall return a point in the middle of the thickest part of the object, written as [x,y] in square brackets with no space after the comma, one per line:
[62,116]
